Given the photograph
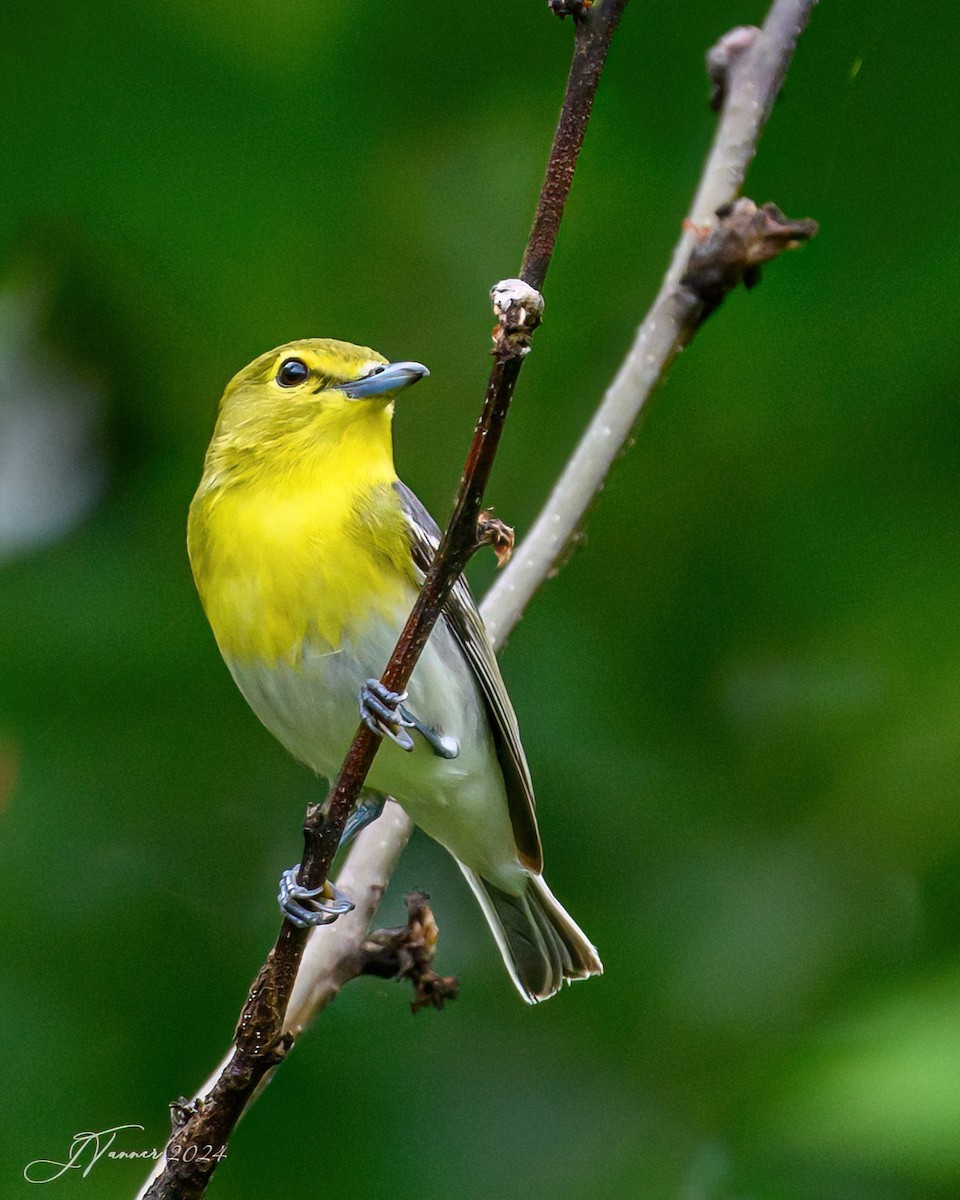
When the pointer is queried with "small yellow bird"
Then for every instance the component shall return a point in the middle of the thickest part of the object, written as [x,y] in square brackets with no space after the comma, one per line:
[308,553]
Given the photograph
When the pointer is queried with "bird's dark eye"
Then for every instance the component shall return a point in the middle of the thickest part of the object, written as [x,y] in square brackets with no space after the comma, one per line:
[292,371]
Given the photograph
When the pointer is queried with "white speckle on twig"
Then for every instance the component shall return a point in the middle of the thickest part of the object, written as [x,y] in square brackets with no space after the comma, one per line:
[510,293]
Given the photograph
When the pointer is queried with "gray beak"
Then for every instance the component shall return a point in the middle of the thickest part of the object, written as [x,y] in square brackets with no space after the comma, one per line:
[384,380]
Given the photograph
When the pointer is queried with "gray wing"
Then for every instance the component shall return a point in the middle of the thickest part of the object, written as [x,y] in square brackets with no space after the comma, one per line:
[465,623]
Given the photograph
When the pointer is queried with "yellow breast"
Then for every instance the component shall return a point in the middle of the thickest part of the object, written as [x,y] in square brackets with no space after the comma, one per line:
[296,556]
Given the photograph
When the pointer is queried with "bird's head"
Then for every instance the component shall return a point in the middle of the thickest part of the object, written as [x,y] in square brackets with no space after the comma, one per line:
[306,396]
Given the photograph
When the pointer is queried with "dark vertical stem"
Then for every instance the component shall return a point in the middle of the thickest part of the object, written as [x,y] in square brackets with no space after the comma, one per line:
[594,31]
[259,1045]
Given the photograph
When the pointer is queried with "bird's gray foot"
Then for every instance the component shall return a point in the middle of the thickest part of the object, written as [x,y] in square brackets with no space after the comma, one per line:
[380,712]
[304,907]
[384,712]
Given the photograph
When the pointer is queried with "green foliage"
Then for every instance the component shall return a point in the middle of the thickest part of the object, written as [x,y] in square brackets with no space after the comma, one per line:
[741,699]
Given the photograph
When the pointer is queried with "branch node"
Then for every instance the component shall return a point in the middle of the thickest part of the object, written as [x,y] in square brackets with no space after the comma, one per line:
[491,531]
[407,953]
[569,8]
[733,251]
[721,57]
[518,308]
[181,1110]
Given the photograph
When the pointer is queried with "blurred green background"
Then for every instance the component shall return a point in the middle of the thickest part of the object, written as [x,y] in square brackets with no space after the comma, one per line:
[740,699]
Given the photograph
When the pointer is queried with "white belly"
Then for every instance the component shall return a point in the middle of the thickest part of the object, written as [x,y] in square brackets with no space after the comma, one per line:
[312,709]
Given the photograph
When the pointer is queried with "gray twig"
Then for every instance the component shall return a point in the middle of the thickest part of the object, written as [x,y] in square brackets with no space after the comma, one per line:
[747,69]
[263,1035]
[332,954]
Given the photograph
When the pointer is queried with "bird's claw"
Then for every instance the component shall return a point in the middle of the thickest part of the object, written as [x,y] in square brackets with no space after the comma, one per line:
[384,712]
[303,907]
[380,711]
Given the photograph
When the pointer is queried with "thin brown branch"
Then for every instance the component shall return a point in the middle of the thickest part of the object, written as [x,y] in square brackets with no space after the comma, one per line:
[674,316]
[595,27]
[260,1043]
[747,70]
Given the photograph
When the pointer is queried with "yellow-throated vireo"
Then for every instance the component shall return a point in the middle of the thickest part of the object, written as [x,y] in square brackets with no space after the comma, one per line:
[308,552]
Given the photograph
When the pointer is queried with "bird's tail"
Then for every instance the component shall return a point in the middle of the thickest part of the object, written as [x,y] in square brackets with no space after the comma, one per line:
[540,942]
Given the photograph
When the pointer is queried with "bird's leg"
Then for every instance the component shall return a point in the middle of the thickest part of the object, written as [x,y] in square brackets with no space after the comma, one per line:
[334,904]
[380,712]
[385,713]
[443,747]
[301,905]
[366,812]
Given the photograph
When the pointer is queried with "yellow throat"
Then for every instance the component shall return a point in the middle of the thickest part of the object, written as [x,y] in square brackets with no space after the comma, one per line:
[296,533]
